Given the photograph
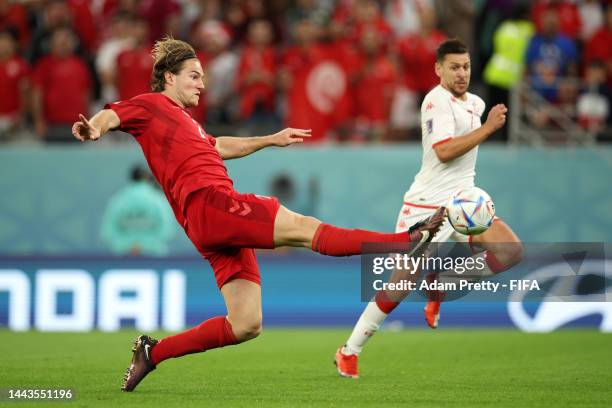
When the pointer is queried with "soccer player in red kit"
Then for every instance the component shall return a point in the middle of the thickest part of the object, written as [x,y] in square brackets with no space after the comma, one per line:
[225,226]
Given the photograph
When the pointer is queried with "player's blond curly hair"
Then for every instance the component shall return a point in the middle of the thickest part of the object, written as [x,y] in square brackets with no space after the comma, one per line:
[169,55]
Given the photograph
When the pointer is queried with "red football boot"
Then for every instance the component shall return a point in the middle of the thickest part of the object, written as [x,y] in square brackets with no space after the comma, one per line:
[346,364]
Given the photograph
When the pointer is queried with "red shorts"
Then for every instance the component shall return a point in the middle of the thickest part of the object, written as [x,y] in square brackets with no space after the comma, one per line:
[225,226]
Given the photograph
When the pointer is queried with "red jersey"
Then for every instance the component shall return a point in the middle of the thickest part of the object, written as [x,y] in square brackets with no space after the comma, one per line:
[12,74]
[66,85]
[567,13]
[374,90]
[181,155]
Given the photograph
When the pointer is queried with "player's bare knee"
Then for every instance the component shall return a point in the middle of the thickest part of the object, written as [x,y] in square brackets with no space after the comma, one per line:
[302,229]
[307,227]
[248,330]
[294,229]
[249,333]
[254,330]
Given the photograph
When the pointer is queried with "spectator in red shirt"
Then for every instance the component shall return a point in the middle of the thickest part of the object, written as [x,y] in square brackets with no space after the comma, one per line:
[13,84]
[163,15]
[344,52]
[567,13]
[240,13]
[362,15]
[61,88]
[599,47]
[118,38]
[256,75]
[112,7]
[55,14]
[134,64]
[15,16]
[84,23]
[375,87]
[417,55]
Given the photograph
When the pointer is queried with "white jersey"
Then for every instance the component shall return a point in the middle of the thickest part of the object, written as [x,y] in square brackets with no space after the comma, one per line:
[443,117]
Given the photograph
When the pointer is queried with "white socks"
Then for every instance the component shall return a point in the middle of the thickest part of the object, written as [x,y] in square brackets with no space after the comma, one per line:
[369,322]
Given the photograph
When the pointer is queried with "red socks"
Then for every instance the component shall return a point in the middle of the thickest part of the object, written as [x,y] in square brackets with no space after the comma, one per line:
[493,263]
[213,333]
[334,241]
[383,302]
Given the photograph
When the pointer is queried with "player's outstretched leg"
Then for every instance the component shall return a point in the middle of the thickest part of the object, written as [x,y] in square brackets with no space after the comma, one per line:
[141,364]
[502,250]
[292,229]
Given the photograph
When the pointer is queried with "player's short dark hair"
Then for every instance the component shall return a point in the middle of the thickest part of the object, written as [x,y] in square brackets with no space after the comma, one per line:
[451,46]
[169,55]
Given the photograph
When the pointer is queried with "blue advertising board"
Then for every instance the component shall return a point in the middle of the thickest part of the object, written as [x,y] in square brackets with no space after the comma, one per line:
[299,289]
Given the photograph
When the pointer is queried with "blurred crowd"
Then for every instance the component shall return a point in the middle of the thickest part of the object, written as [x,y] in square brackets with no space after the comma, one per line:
[352,70]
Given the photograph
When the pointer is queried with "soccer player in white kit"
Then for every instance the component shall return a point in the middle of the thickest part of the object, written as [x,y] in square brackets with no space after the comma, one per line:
[451,133]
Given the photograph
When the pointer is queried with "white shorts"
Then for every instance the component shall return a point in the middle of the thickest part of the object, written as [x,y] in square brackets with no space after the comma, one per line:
[411,213]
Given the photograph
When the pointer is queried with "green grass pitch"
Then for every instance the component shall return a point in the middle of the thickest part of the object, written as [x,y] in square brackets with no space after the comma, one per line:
[293,368]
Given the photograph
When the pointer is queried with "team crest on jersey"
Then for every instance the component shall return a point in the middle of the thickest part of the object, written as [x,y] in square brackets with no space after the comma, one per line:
[429,125]
[429,106]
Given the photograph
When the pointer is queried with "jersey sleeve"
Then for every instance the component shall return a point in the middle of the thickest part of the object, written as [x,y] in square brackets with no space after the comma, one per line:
[480,107]
[437,121]
[211,139]
[133,116]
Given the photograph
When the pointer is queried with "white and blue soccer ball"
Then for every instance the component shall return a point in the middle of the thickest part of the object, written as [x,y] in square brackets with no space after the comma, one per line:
[471,211]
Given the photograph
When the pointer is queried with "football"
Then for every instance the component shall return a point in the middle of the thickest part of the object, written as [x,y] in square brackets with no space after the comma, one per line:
[471,211]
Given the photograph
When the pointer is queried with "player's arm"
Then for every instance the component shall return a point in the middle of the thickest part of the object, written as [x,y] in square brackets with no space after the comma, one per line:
[95,127]
[458,146]
[234,147]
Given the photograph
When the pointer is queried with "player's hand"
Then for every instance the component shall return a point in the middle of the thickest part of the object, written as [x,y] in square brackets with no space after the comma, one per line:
[84,130]
[497,117]
[290,136]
